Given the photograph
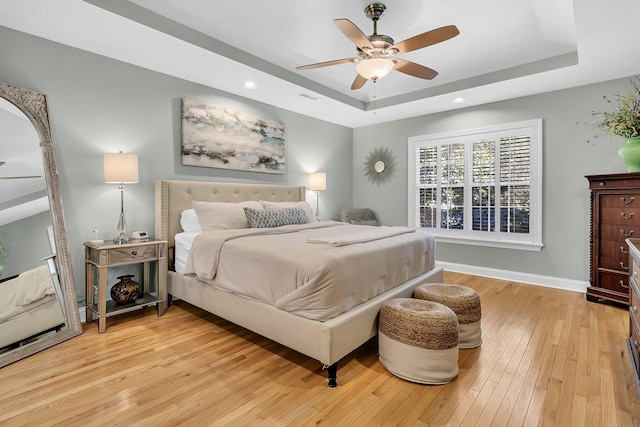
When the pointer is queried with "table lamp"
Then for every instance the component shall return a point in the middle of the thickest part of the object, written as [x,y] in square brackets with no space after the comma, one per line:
[121,168]
[317,183]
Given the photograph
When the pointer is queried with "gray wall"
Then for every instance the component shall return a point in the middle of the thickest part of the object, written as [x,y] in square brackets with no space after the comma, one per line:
[570,152]
[99,105]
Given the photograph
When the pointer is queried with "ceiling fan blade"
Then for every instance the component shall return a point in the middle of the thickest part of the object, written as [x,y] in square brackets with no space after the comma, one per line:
[427,39]
[325,64]
[415,70]
[358,82]
[20,177]
[353,33]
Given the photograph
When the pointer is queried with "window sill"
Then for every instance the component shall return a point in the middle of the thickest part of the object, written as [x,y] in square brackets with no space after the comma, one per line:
[522,246]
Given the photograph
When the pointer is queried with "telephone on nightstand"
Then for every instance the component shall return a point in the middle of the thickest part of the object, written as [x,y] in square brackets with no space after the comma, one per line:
[140,235]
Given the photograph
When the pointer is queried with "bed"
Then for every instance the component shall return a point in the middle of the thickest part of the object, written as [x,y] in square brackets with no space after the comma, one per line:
[326,340]
[29,305]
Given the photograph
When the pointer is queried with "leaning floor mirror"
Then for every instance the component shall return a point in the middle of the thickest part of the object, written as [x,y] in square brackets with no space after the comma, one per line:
[38,305]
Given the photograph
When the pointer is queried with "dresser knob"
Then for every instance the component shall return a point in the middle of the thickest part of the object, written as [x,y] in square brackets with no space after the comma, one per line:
[626,216]
[623,266]
[625,201]
[622,285]
[635,274]
[634,308]
[134,253]
[623,251]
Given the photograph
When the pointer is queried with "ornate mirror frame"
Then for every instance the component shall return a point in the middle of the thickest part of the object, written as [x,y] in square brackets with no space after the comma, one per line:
[34,106]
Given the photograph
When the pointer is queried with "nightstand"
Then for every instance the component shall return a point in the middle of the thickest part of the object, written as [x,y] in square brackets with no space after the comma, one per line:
[102,256]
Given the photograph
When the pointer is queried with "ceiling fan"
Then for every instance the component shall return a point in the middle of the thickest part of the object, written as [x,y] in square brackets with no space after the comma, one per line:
[17,177]
[376,53]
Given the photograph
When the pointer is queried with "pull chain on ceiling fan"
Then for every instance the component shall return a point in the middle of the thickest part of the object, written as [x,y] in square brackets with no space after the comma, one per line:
[376,53]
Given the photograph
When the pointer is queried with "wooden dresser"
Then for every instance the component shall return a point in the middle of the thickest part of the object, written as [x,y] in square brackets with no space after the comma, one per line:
[615,216]
[634,318]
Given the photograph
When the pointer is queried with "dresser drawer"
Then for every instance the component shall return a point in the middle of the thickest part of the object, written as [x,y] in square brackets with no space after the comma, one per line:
[618,232]
[621,216]
[614,249]
[633,308]
[619,201]
[133,254]
[634,346]
[615,282]
[619,264]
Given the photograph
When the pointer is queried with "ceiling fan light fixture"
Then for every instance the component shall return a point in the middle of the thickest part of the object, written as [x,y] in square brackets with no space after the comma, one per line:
[375,68]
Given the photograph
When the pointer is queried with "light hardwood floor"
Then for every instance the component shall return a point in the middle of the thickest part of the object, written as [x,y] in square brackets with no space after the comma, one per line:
[548,358]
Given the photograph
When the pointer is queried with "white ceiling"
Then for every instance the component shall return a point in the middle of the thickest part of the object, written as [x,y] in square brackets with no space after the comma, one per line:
[505,49]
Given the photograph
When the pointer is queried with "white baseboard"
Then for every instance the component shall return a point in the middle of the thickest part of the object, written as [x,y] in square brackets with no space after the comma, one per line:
[515,276]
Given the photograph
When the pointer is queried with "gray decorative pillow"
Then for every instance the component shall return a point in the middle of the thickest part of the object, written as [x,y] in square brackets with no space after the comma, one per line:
[268,218]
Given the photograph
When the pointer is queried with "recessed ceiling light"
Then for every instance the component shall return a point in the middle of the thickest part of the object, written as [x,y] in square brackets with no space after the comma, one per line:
[459,100]
[249,85]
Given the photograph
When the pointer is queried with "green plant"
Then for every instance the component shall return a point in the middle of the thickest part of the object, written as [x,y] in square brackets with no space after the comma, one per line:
[624,120]
[4,245]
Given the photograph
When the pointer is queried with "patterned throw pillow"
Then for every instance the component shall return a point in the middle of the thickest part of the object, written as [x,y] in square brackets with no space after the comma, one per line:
[267,218]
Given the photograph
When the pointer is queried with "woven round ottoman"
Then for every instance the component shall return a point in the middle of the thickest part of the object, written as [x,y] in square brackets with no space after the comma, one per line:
[464,301]
[418,340]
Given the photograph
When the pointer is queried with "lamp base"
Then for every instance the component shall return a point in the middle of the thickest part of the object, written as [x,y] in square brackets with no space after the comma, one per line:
[121,239]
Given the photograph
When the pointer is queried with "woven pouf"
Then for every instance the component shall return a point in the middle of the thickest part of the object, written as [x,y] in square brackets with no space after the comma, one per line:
[418,340]
[464,301]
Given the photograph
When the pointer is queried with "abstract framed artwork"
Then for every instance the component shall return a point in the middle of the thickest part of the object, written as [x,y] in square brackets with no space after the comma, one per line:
[218,137]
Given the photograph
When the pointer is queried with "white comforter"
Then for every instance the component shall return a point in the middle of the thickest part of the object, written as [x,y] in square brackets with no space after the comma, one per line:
[281,266]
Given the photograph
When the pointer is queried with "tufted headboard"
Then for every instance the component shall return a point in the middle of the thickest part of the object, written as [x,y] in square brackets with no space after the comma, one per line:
[173,197]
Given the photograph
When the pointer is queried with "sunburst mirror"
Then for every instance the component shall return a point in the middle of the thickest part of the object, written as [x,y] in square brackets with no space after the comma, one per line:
[379,166]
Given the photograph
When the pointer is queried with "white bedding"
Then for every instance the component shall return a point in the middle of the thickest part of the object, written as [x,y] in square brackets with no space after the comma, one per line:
[324,280]
[184,241]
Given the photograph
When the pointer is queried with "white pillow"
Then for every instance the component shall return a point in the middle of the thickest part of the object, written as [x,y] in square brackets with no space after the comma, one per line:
[303,204]
[223,216]
[189,221]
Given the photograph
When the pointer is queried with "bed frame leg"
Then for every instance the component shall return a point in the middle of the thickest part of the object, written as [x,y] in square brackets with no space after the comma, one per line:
[332,371]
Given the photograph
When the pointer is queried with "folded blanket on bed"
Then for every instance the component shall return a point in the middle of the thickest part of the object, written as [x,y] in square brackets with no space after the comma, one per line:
[366,234]
[33,285]
[27,291]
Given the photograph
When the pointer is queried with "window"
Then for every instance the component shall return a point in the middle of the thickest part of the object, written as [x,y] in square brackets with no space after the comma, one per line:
[480,186]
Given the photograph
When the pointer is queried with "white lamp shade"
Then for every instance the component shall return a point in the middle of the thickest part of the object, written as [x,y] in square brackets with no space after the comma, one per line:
[375,68]
[120,168]
[317,181]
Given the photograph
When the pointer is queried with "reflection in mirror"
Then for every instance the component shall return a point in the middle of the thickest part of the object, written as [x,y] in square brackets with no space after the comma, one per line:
[38,306]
